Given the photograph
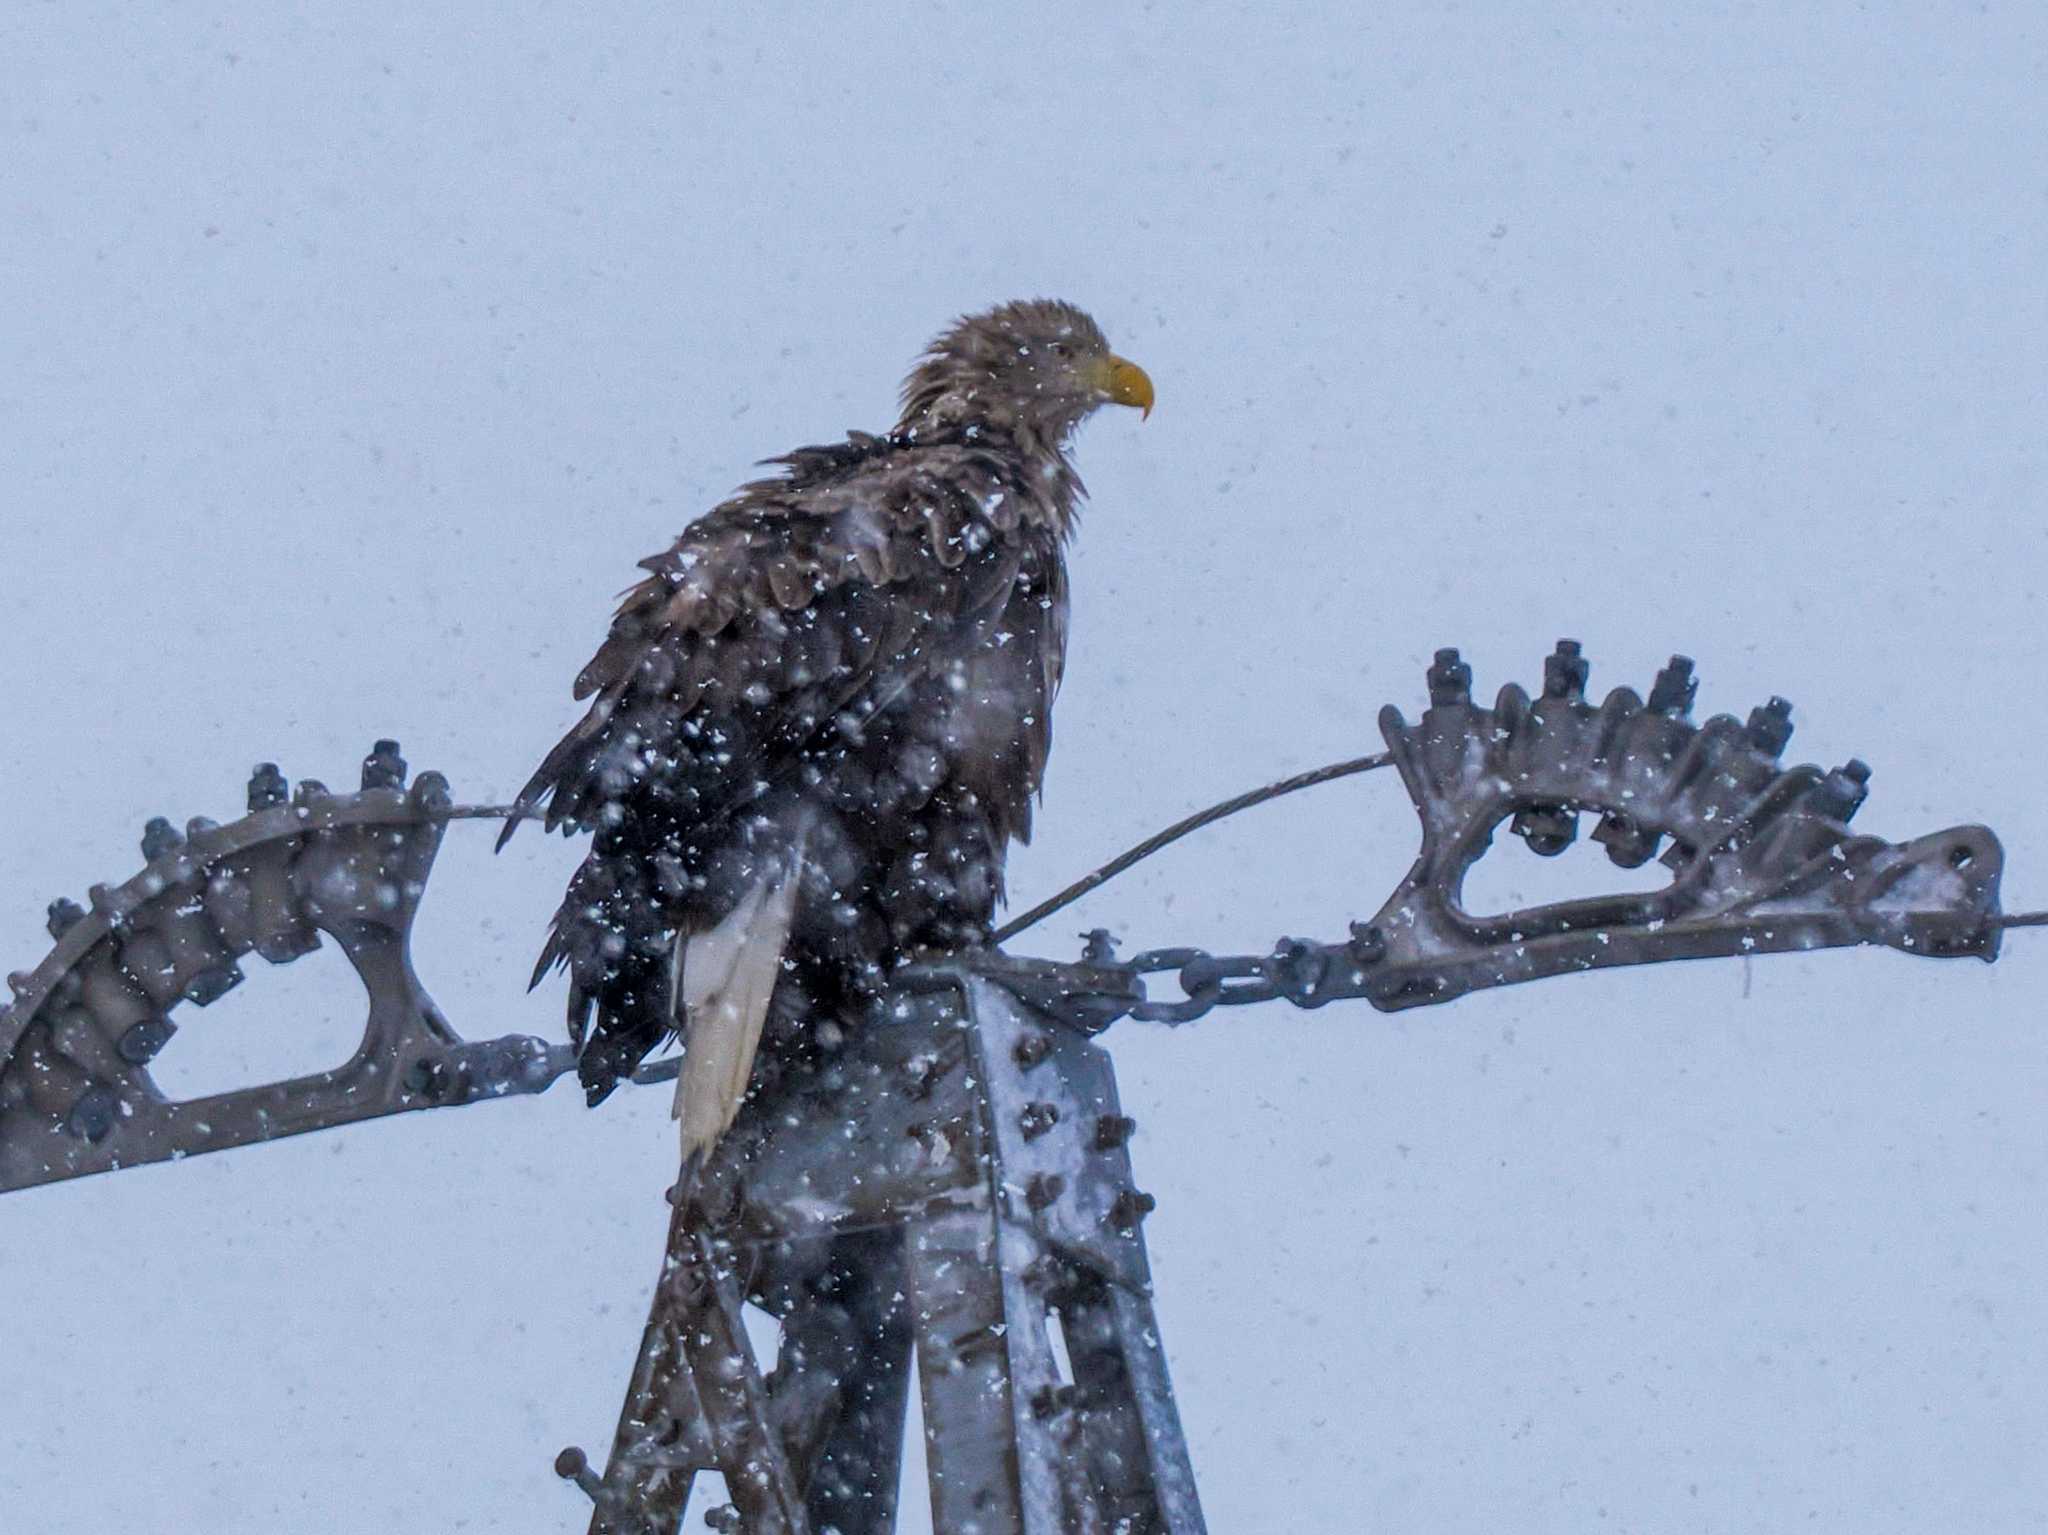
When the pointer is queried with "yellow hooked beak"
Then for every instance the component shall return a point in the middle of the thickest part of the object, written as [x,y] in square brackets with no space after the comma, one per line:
[1124,383]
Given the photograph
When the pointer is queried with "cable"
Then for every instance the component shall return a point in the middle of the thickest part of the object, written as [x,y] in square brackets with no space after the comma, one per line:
[1179,829]
[1151,844]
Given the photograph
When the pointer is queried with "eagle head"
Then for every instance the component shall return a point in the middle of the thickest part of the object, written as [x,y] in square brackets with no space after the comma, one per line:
[1036,367]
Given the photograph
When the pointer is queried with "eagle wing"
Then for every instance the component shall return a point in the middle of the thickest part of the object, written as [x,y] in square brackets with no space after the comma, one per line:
[788,605]
[763,639]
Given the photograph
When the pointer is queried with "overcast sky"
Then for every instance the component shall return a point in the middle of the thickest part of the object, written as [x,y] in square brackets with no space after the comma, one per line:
[354,353]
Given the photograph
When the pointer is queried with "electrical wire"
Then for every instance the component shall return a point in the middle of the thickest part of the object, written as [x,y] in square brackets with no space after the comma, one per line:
[1182,828]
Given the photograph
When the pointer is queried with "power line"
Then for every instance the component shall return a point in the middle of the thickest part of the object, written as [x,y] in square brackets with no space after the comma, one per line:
[1179,829]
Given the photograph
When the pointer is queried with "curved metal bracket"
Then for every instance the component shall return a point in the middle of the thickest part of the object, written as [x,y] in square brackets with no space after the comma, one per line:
[76,1095]
[1762,859]
[1761,854]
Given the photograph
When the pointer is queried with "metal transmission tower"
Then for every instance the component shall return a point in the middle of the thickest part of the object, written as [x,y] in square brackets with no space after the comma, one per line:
[955,1177]
[946,1178]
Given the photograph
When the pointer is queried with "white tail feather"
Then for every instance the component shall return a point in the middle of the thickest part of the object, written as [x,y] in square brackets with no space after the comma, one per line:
[728,975]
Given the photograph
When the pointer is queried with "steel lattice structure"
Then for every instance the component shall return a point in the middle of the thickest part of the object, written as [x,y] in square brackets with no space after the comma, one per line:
[951,1179]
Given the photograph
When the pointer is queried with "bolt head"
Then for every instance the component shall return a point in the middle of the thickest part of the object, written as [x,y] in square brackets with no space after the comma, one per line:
[209,986]
[1113,1130]
[160,837]
[267,787]
[1044,1189]
[140,1041]
[92,1116]
[384,768]
[1368,943]
[1035,1119]
[1131,1207]
[65,914]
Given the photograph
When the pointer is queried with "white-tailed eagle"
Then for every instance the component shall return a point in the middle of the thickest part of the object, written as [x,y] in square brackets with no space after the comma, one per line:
[821,718]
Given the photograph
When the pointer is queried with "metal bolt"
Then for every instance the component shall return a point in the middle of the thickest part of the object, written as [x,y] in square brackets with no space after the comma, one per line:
[1098,948]
[1300,967]
[1841,794]
[1450,679]
[723,1517]
[140,1042]
[1368,944]
[92,1116]
[428,1078]
[65,914]
[1049,1400]
[1043,1189]
[1628,844]
[1032,1049]
[267,787]
[572,1465]
[1131,1206]
[1770,726]
[919,1073]
[1548,829]
[1673,691]
[1565,671]
[211,984]
[1113,1130]
[1037,1118]
[159,837]
[384,768]
[1041,1274]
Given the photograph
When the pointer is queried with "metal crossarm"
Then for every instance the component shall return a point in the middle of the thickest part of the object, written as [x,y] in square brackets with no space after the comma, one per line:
[946,1180]
[78,1039]
[1762,856]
